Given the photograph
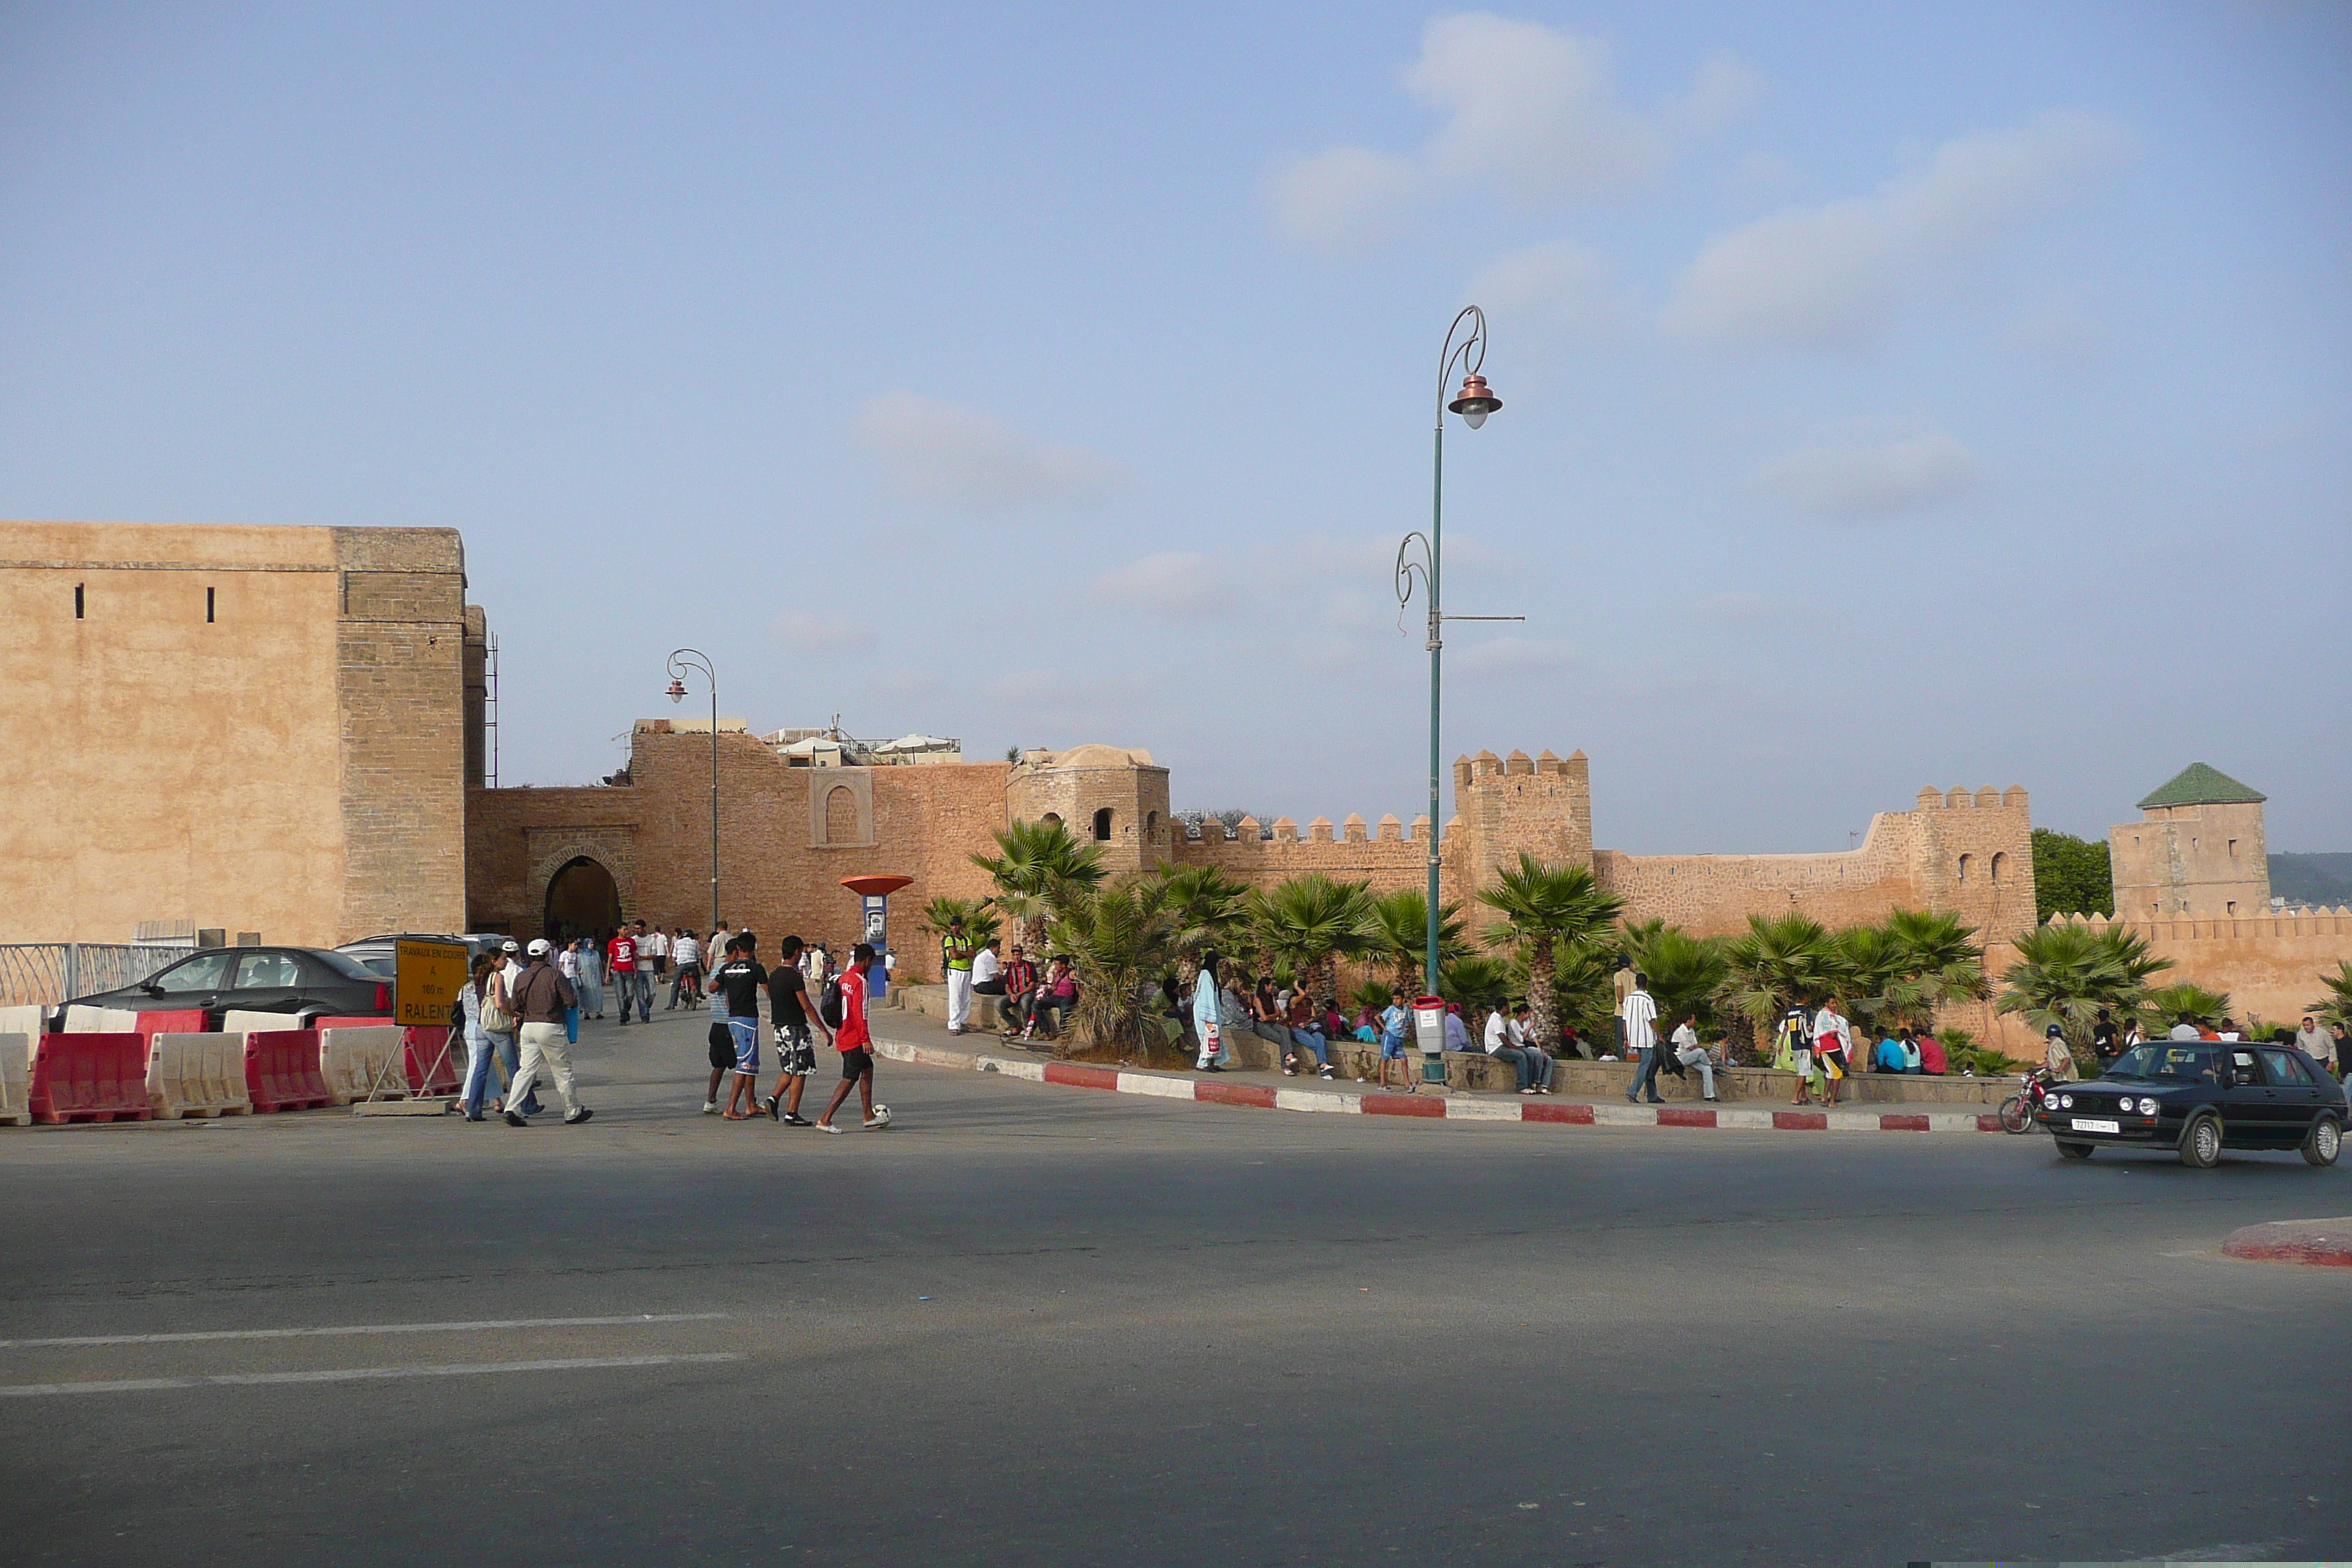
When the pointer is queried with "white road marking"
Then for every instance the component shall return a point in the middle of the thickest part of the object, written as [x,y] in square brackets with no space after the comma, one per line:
[633,1317]
[355,1374]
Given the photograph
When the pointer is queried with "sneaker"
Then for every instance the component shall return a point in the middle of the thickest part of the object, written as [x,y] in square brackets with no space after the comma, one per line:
[1212,1068]
[709,1107]
[824,1127]
[577,1116]
[514,1120]
[775,1113]
[1328,1076]
[1290,1072]
[794,1118]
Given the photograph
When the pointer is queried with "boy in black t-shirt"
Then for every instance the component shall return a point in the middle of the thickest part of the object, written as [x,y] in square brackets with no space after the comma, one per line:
[792,1019]
[739,978]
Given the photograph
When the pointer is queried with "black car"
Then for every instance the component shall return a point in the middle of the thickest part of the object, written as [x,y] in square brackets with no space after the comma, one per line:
[380,952]
[307,981]
[2201,1097]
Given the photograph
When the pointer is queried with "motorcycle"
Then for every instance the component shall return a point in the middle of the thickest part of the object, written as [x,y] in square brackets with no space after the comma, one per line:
[2017,1111]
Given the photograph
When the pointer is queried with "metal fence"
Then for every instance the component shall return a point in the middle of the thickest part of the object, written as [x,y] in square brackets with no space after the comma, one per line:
[53,972]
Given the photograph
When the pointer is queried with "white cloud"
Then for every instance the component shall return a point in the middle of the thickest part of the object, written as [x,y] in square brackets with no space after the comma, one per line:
[1175,583]
[1506,657]
[958,456]
[1832,277]
[1562,287]
[1531,111]
[1861,483]
[1342,198]
[807,630]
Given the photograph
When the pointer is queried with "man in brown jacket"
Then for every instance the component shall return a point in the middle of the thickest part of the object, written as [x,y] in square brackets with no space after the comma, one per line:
[540,995]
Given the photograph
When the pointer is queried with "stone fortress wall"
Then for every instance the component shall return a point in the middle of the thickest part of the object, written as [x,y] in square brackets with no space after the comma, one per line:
[2268,963]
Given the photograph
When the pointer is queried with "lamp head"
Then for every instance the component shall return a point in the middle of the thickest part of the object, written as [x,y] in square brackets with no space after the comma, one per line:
[1476,402]
[677,690]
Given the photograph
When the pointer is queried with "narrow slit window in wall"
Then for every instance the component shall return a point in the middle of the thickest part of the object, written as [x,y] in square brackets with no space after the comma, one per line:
[208,606]
[77,601]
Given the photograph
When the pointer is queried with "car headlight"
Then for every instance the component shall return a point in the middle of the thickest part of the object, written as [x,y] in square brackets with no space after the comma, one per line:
[2066,1102]
[2147,1106]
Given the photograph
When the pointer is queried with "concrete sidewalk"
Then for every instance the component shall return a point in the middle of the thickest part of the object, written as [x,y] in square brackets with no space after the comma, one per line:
[904,1036]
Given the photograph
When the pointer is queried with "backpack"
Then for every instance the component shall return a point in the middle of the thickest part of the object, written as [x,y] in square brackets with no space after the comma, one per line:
[828,1005]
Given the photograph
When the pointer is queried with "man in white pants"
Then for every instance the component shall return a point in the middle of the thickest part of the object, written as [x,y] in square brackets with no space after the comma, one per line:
[955,957]
[1691,1053]
[540,995]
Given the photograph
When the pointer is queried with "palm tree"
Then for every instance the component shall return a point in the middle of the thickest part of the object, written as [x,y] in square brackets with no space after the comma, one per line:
[979,922]
[1401,939]
[1941,962]
[1118,937]
[1203,905]
[2066,973]
[1034,862]
[2336,1007]
[1544,906]
[1779,963]
[1478,983]
[1309,921]
[1869,963]
[2186,1000]
[1686,972]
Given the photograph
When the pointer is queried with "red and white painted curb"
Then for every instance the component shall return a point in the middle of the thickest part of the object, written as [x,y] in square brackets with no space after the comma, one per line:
[1441,1107]
[2314,1243]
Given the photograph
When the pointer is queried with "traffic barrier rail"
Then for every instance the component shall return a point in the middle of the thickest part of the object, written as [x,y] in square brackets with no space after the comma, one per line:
[83,1019]
[90,1078]
[354,1060]
[15,1075]
[198,1074]
[169,1021]
[281,1070]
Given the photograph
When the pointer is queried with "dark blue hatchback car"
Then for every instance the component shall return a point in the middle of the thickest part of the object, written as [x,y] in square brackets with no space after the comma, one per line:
[2201,1097]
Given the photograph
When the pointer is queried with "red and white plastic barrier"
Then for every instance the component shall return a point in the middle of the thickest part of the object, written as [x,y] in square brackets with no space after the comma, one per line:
[90,1078]
[198,1074]
[15,1079]
[281,1070]
[354,1060]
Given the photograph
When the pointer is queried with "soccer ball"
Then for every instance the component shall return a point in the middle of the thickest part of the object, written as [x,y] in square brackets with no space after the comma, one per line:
[881,1118]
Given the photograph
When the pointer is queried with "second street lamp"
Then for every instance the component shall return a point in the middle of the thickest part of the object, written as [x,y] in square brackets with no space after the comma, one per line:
[680,661]
[1473,403]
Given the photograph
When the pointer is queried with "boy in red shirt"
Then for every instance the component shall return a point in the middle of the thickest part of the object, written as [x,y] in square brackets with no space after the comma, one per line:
[855,1041]
[621,963]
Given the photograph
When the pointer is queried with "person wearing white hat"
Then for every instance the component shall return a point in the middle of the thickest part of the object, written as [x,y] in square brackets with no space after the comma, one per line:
[541,997]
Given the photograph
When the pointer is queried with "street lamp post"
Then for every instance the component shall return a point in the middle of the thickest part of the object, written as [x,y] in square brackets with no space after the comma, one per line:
[680,661]
[1473,403]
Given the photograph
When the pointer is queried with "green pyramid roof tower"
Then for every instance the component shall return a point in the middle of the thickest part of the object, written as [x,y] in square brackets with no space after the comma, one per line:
[2201,783]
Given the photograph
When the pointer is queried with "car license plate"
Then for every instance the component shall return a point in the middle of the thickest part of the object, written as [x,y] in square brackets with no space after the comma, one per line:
[2088,1124]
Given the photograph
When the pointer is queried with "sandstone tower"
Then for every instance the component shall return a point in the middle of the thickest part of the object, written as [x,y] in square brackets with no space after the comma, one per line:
[2197,851]
[1113,798]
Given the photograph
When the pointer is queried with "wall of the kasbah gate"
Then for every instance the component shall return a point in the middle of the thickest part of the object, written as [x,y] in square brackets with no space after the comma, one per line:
[778,872]
[289,767]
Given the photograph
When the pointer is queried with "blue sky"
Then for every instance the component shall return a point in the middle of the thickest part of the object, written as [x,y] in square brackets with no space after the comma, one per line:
[1891,396]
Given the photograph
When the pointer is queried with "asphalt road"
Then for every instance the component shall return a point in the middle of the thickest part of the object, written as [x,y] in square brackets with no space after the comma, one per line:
[1040,1326]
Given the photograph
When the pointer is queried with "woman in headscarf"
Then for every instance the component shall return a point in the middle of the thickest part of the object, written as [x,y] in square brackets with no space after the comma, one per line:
[1209,1022]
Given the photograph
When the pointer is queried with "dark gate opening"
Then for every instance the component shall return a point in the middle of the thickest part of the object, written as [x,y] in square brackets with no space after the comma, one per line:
[583,900]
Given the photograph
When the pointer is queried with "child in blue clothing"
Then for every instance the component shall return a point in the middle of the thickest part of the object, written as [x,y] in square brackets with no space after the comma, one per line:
[1394,1024]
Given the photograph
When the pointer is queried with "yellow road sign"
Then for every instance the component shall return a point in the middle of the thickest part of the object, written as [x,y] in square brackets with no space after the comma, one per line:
[426,978]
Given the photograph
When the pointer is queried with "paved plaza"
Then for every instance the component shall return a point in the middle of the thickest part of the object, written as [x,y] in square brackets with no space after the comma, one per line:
[1035,1324]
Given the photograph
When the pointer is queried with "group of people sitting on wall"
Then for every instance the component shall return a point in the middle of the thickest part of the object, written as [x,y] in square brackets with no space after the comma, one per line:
[1029,1002]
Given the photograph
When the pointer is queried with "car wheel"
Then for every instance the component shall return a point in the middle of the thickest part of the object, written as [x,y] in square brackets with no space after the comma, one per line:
[2077,1151]
[2200,1141]
[2323,1143]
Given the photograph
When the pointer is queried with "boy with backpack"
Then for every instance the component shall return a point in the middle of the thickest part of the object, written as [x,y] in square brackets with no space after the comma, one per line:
[843,1007]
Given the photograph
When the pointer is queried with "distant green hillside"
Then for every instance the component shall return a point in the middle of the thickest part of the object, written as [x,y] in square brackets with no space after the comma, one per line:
[2320,878]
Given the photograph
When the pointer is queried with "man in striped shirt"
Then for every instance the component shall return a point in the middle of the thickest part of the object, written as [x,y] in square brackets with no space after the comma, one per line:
[1639,1014]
